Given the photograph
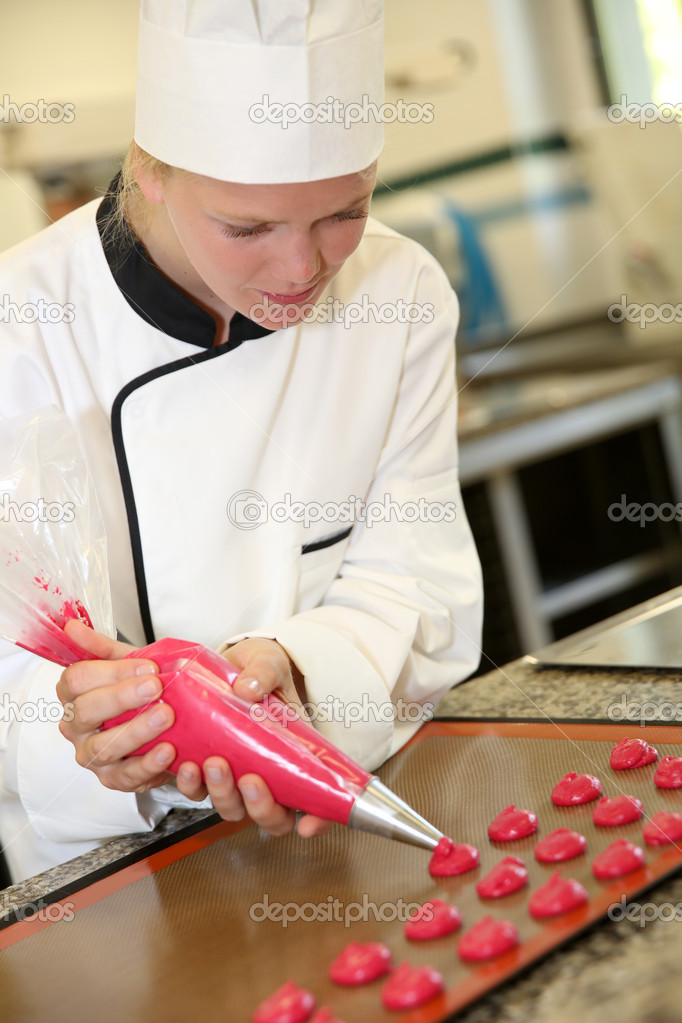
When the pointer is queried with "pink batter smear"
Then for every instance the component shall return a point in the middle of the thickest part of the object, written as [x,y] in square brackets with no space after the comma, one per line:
[360,964]
[558,895]
[629,753]
[47,637]
[433,919]
[669,773]
[41,582]
[664,828]
[289,1004]
[487,939]
[408,987]
[511,824]
[574,789]
[452,858]
[507,876]
[621,857]
[610,812]
[562,844]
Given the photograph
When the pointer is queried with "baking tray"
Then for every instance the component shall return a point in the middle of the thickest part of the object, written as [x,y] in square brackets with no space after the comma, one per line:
[651,640]
[182,933]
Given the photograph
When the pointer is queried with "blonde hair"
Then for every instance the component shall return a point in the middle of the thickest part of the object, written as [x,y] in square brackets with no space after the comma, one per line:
[130,209]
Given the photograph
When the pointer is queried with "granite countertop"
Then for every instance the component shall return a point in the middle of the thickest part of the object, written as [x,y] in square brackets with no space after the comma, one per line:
[617,971]
[518,690]
[70,873]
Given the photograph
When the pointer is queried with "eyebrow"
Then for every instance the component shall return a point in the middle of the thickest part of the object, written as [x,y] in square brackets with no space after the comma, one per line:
[234,217]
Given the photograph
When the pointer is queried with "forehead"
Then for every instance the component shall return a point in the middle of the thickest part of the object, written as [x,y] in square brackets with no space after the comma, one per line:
[314,199]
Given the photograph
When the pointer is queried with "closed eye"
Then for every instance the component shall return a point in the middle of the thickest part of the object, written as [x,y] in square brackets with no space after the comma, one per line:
[232,231]
[358,214]
[243,232]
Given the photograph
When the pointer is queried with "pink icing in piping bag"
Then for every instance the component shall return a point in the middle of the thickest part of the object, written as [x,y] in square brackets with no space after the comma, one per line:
[302,769]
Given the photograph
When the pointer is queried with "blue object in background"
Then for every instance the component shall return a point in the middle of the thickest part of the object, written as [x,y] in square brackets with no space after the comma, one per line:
[484,315]
[482,307]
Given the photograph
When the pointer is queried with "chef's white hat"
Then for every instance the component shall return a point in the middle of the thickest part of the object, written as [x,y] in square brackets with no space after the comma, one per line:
[211,73]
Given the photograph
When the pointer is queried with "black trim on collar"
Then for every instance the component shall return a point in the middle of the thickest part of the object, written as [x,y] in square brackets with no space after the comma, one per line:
[153,296]
[124,470]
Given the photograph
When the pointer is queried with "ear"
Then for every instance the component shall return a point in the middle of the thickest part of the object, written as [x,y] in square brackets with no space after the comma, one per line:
[149,180]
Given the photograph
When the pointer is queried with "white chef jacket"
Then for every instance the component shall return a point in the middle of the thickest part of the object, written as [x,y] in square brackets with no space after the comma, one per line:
[187,444]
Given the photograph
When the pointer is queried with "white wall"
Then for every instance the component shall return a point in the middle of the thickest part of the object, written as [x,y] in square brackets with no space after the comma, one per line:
[533,78]
[471,113]
[531,75]
[70,51]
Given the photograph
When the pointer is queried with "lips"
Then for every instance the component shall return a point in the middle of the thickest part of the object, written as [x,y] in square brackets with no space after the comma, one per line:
[290,299]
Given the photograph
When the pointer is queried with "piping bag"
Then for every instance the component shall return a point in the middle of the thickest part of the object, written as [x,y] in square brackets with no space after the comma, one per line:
[55,570]
[302,769]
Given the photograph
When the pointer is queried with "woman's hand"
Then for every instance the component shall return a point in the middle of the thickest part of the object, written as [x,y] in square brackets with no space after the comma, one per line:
[95,691]
[265,668]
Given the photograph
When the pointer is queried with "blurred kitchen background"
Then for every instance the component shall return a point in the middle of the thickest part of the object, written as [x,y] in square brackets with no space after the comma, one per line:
[553,210]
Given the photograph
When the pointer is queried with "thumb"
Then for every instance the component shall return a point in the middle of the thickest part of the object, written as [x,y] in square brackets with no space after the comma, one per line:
[100,646]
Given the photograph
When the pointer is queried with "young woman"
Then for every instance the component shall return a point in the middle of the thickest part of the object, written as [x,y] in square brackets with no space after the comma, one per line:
[262,381]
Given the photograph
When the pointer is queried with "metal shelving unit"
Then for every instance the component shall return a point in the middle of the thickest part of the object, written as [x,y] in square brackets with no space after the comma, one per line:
[495,458]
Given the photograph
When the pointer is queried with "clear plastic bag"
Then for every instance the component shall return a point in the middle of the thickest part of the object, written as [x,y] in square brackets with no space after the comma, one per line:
[54,567]
[53,555]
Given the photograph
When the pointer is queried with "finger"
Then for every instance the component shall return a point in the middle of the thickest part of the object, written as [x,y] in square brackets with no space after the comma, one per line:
[86,676]
[190,781]
[310,826]
[139,774]
[289,696]
[264,669]
[267,668]
[87,712]
[225,795]
[262,808]
[95,643]
[107,747]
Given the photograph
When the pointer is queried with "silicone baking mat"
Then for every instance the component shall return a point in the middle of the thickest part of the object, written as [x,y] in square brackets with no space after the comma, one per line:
[196,931]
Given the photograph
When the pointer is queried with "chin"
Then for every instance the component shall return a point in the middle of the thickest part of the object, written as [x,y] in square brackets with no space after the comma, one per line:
[284,316]
[290,319]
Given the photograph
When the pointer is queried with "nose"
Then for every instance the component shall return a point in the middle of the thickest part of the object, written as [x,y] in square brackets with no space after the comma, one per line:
[298,259]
